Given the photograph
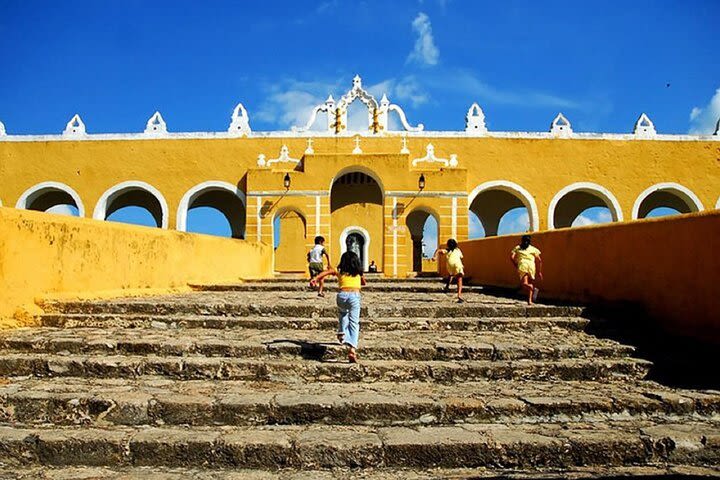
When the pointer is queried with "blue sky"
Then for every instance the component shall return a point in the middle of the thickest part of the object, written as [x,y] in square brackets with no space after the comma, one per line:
[600,63]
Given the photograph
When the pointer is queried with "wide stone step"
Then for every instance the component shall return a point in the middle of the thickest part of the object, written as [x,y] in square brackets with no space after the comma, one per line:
[305,308]
[300,286]
[661,471]
[313,344]
[193,367]
[469,324]
[323,447]
[161,401]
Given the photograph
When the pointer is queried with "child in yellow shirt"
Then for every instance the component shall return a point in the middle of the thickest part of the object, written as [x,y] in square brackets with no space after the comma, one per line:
[526,259]
[455,268]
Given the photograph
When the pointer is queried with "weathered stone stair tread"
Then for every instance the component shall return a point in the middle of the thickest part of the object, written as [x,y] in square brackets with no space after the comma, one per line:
[200,367]
[316,344]
[466,446]
[104,320]
[675,472]
[160,401]
[305,304]
[300,286]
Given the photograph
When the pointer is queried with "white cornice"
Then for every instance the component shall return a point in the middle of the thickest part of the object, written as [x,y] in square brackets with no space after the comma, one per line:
[315,134]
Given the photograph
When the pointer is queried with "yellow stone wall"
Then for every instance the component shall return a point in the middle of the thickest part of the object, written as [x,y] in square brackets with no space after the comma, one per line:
[542,166]
[42,254]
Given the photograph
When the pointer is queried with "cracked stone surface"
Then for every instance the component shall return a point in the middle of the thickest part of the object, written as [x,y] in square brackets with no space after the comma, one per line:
[247,381]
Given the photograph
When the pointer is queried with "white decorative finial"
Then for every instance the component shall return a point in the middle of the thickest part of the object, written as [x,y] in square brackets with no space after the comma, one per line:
[2,129]
[357,149]
[156,125]
[431,158]
[561,126]
[330,100]
[284,157]
[644,127]
[357,82]
[75,127]
[240,122]
[404,149]
[309,150]
[384,100]
[475,120]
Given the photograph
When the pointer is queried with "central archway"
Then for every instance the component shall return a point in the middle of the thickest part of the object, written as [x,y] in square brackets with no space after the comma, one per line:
[570,202]
[356,205]
[134,194]
[423,227]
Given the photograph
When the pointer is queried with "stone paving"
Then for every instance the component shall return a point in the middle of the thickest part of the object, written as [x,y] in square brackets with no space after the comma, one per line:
[247,381]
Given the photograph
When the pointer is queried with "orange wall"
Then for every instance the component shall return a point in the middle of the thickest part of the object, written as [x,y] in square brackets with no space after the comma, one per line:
[670,266]
[43,254]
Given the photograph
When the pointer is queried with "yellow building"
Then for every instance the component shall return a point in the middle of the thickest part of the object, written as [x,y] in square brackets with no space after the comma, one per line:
[372,190]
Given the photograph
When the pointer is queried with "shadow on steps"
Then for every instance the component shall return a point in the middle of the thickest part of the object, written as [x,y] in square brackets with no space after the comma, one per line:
[680,362]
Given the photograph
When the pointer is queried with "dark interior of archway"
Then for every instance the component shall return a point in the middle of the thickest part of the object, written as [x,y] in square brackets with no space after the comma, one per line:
[662,199]
[46,199]
[491,205]
[226,203]
[355,187]
[573,204]
[416,224]
[137,198]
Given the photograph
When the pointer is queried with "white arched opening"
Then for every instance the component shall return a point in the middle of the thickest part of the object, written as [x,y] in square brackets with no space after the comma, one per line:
[517,192]
[115,192]
[671,191]
[187,201]
[592,189]
[34,194]
[366,245]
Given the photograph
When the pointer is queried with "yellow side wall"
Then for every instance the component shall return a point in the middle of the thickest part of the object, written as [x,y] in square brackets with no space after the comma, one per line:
[667,265]
[43,254]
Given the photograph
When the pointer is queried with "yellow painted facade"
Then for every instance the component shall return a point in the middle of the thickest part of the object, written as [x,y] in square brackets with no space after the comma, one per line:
[362,190]
[542,167]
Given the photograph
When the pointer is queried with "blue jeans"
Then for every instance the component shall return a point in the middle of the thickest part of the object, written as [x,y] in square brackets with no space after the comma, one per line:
[349,317]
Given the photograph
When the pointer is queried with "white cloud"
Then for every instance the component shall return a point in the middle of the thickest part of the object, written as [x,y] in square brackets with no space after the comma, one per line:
[460,80]
[63,210]
[516,222]
[704,120]
[593,216]
[425,52]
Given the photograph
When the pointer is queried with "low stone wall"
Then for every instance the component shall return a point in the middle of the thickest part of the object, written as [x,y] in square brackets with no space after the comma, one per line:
[670,266]
[44,255]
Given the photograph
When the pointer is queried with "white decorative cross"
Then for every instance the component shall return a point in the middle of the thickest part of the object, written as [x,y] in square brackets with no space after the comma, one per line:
[404,148]
[309,150]
[357,149]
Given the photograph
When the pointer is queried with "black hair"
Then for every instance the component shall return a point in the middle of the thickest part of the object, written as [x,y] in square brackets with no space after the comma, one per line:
[524,242]
[350,264]
[319,239]
[452,244]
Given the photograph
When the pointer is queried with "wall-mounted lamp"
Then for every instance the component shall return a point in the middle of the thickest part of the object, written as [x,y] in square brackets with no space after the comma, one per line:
[421,182]
[286,181]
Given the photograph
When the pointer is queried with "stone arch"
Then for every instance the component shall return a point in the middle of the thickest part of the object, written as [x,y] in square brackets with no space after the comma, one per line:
[48,194]
[133,193]
[491,200]
[572,200]
[361,169]
[415,222]
[290,255]
[667,194]
[223,196]
[366,245]
[357,199]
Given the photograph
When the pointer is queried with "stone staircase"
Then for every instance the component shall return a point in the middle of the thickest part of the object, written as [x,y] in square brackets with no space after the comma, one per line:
[246,381]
